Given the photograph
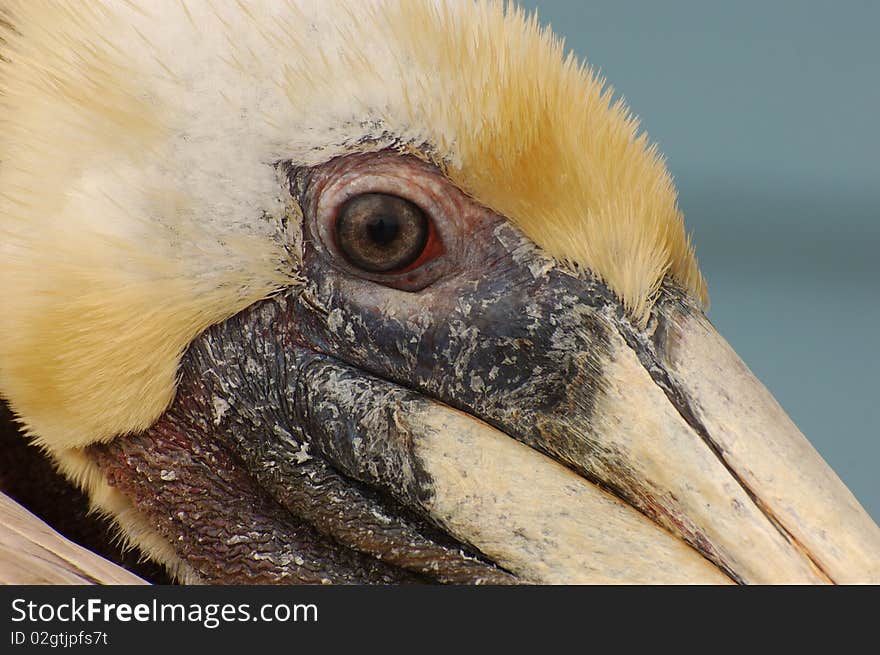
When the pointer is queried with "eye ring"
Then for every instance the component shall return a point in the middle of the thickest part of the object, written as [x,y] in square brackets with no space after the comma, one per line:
[409,181]
[381,232]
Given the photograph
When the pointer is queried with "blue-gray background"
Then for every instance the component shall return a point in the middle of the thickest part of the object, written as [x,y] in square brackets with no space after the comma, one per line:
[768,114]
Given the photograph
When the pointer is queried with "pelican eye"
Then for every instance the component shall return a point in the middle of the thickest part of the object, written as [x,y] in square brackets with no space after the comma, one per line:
[379,232]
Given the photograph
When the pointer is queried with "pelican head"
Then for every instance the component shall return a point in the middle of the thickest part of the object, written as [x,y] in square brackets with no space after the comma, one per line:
[378,292]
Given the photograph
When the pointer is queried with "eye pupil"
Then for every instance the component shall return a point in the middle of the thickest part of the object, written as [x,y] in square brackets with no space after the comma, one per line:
[383,230]
[381,233]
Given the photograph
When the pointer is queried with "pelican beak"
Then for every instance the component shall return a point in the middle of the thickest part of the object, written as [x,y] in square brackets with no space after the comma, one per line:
[568,445]
[768,500]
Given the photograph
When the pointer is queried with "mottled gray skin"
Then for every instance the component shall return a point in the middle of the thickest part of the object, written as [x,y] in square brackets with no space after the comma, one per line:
[299,392]
[227,528]
[246,383]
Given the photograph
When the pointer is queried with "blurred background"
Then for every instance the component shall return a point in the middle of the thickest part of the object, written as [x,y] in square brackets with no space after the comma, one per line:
[771,125]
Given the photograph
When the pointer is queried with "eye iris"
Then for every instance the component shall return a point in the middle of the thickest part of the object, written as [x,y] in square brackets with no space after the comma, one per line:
[379,232]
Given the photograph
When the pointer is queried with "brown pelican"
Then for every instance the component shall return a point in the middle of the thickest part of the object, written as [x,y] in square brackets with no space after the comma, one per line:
[378,292]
